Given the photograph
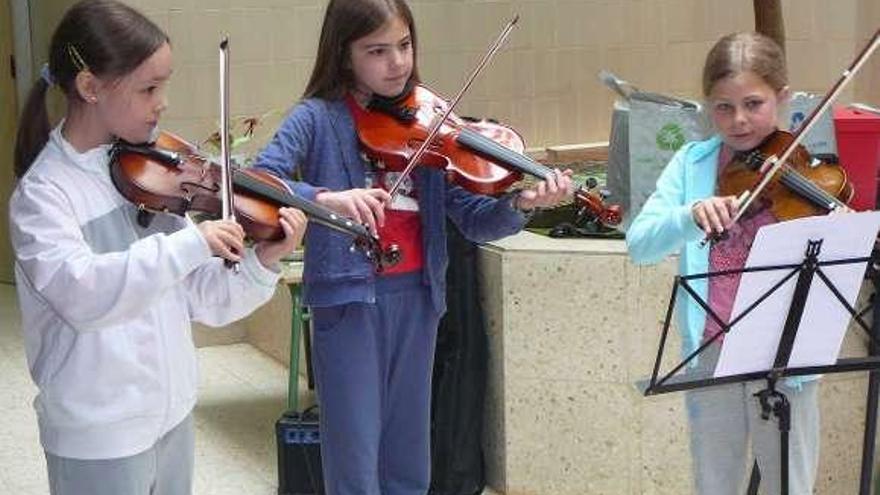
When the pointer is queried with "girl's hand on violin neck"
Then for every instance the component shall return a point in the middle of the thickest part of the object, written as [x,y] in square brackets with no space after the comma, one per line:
[548,192]
[294,223]
[225,238]
[366,206]
[714,214]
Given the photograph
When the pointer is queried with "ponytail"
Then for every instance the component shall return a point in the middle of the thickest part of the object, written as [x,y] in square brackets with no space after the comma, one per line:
[33,128]
[106,37]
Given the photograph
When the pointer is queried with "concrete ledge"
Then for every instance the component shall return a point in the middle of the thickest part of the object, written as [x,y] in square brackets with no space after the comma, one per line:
[572,325]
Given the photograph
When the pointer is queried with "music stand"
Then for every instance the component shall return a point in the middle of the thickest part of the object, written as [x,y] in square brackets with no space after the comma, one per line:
[848,239]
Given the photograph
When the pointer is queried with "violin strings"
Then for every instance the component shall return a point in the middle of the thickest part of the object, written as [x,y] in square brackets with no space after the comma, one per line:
[828,199]
[507,155]
[806,188]
[799,183]
[809,189]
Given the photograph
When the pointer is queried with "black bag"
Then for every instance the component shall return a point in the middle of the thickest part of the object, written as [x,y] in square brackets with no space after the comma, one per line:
[459,383]
[299,453]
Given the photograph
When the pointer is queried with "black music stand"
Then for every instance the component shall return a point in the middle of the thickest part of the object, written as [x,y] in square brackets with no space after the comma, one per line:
[773,402]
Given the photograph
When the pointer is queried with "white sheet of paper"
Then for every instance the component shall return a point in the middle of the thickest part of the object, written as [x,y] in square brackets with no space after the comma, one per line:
[751,344]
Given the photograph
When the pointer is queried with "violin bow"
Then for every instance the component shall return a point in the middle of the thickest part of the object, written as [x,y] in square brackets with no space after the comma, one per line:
[439,121]
[226,196]
[747,197]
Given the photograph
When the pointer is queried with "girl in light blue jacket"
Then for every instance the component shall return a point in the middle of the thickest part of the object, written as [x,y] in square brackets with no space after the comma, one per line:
[744,82]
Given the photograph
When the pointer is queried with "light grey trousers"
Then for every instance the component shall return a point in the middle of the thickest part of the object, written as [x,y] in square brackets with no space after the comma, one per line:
[727,434]
[164,469]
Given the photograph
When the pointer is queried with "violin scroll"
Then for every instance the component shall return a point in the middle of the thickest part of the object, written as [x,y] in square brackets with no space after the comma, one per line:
[591,205]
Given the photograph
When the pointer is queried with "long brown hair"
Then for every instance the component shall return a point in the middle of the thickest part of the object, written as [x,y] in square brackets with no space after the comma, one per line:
[346,21]
[105,37]
[745,52]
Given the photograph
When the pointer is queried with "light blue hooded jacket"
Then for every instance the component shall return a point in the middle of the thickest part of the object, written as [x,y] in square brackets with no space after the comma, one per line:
[665,226]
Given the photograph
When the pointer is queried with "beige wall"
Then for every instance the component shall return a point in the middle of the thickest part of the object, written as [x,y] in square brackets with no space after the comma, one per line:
[544,83]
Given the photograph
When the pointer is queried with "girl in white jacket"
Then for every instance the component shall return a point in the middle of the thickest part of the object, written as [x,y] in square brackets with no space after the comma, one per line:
[107,303]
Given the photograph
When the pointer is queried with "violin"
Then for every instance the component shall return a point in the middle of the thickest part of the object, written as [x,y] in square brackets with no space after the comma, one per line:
[802,187]
[171,176]
[482,156]
[592,208]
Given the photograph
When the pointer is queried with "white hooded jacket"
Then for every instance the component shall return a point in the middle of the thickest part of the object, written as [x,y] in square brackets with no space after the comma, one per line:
[106,305]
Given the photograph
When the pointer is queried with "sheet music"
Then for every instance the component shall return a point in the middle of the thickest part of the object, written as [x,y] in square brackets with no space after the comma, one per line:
[752,343]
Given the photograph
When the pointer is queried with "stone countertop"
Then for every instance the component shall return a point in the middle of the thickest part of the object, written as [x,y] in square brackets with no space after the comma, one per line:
[291,272]
[526,241]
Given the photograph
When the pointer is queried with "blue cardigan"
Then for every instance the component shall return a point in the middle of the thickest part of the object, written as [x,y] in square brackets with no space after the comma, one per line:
[318,139]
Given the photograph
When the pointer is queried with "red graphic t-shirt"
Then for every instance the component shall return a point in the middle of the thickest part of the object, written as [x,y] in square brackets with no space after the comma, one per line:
[731,254]
[403,223]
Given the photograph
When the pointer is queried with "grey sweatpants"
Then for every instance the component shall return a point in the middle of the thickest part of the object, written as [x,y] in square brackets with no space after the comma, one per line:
[728,433]
[164,469]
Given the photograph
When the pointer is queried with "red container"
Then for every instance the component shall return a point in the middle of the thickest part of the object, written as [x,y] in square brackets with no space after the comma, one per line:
[858,146]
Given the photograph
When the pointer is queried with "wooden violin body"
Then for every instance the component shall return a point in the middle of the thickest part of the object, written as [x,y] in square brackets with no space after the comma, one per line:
[392,135]
[171,176]
[482,156]
[802,187]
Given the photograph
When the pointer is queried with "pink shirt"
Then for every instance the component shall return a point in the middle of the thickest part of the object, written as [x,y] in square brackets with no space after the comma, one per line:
[731,254]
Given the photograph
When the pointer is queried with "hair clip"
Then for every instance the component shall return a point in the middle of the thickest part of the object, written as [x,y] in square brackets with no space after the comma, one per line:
[46,75]
[75,57]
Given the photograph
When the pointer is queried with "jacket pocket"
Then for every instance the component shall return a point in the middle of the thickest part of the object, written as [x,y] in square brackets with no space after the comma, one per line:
[328,319]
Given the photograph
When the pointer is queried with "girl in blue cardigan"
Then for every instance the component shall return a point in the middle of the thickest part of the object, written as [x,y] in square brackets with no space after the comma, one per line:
[374,334]
[744,82]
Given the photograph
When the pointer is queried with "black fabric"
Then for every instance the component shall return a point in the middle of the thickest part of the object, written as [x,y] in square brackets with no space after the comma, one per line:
[459,383]
[392,105]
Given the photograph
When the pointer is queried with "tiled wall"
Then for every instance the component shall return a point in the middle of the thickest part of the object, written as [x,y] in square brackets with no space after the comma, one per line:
[544,83]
